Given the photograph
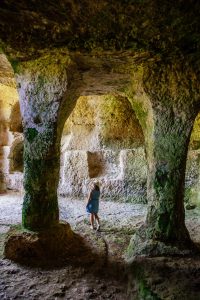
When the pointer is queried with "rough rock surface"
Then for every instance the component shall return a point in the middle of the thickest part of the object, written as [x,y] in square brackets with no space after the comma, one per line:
[162,30]
[54,247]
[102,142]
[146,51]
[149,278]
[101,131]
[10,122]
[87,274]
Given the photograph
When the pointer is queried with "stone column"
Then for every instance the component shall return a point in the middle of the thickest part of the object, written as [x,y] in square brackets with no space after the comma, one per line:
[166,176]
[172,91]
[41,175]
[42,86]
[48,94]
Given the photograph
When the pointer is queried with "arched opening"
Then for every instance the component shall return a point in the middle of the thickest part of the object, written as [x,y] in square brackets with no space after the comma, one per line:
[10,124]
[103,140]
[16,155]
[15,119]
[192,192]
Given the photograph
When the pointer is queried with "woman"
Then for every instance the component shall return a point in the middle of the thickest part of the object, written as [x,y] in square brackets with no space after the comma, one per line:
[92,206]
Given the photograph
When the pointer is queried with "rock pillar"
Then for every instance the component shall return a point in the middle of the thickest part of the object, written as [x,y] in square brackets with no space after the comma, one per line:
[41,174]
[166,177]
[42,86]
[174,106]
[47,97]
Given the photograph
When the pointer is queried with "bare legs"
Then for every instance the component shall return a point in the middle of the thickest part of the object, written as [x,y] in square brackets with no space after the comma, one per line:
[92,221]
[94,216]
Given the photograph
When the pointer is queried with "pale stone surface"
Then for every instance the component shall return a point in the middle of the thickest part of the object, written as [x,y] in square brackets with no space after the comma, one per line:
[14,182]
[72,210]
[102,141]
[121,174]
[102,122]
[16,154]
[10,119]
[195,135]
[6,72]
[75,171]
[192,180]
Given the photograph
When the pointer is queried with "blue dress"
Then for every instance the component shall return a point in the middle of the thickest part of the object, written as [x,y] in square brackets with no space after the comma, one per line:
[93,204]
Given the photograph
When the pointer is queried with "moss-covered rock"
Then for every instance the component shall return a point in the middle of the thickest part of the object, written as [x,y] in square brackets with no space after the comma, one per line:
[173,114]
[41,85]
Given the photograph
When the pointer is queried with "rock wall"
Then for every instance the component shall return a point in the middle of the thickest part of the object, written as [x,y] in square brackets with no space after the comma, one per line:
[53,71]
[10,122]
[103,141]
[192,181]
[112,169]
[10,127]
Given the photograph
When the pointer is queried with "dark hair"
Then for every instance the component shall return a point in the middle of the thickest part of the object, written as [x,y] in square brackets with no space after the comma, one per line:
[96,187]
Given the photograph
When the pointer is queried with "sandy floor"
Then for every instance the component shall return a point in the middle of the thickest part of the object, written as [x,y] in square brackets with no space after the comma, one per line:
[164,278]
[69,282]
[72,211]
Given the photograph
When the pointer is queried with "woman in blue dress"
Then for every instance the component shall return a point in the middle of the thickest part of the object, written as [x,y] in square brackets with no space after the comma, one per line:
[92,206]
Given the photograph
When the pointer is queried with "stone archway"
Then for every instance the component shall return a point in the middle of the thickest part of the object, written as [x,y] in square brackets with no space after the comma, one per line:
[16,155]
[192,196]
[49,88]
[9,101]
[103,140]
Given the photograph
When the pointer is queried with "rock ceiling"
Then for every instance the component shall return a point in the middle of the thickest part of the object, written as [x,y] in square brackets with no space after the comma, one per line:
[161,28]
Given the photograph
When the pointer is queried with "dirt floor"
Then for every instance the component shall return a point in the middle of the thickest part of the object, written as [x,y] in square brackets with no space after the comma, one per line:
[107,277]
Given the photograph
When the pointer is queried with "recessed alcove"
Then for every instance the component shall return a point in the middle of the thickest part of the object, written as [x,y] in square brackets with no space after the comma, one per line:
[96,164]
[10,128]
[16,155]
[15,122]
[103,140]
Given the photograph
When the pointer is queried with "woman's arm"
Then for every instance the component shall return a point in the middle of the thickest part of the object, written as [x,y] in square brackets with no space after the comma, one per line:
[88,199]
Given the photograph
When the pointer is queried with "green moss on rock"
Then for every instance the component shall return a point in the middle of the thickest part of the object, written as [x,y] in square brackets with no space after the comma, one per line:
[30,134]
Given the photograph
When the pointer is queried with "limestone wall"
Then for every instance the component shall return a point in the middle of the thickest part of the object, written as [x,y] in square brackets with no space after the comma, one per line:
[10,126]
[103,141]
[192,180]
[121,174]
